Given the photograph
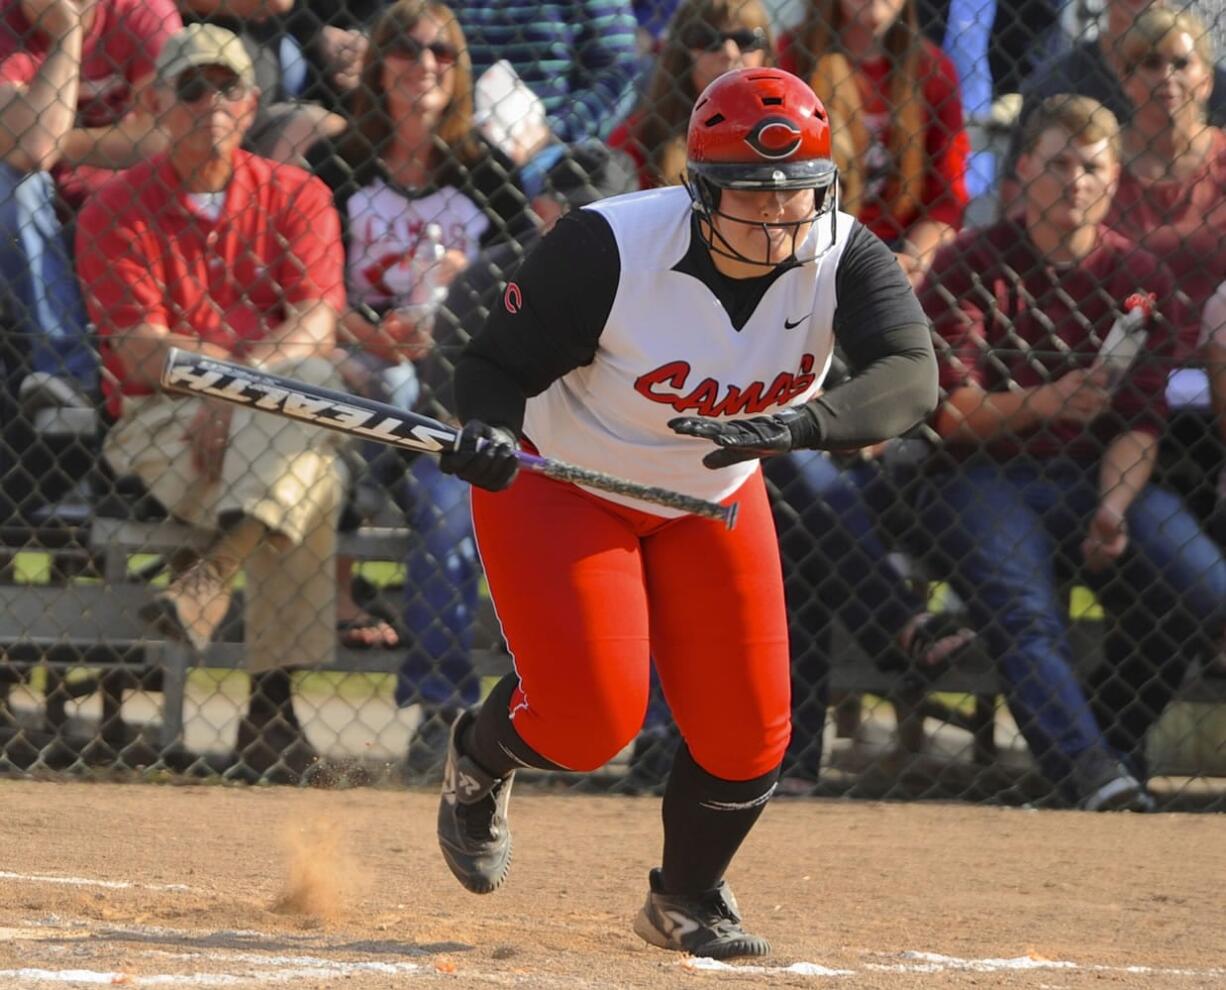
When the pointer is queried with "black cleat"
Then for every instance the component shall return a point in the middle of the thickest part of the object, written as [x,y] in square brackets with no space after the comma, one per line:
[472,818]
[708,924]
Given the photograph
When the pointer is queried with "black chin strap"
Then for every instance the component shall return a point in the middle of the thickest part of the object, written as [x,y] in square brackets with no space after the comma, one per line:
[704,223]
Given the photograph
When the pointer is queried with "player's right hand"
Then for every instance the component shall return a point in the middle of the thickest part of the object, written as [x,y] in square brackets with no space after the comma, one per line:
[484,456]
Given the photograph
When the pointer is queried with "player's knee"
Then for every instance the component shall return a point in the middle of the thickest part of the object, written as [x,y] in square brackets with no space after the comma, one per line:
[588,742]
[744,754]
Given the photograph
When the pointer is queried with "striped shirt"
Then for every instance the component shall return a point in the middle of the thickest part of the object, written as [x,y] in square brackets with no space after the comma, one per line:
[578,56]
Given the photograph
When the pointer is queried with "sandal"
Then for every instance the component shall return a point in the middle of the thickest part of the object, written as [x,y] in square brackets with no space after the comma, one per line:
[351,632]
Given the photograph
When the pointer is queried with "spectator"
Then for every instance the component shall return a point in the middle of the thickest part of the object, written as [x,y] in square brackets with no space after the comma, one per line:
[578,56]
[1053,462]
[258,23]
[209,248]
[705,39]
[1172,194]
[286,126]
[411,164]
[72,76]
[896,96]
[1172,201]
[1094,68]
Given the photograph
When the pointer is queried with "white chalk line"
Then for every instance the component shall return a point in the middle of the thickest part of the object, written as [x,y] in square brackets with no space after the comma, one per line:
[280,969]
[286,968]
[68,881]
[932,963]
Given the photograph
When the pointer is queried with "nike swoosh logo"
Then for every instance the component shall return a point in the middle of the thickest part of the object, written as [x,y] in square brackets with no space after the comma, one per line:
[789,325]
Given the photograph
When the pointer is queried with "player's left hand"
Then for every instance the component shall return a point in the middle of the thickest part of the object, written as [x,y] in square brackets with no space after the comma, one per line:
[741,439]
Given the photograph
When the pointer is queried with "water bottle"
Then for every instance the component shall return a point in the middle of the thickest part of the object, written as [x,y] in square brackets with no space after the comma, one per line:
[1126,338]
[426,295]
[429,254]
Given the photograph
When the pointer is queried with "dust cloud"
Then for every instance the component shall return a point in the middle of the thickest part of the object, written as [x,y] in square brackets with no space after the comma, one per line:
[322,882]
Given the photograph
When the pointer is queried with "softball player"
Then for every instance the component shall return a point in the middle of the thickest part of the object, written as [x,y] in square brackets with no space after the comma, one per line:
[674,337]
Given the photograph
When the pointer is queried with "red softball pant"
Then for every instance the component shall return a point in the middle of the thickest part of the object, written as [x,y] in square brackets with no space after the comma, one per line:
[589,592]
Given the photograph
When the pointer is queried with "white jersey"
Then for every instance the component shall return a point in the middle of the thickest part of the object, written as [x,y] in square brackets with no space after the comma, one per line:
[670,349]
[386,228]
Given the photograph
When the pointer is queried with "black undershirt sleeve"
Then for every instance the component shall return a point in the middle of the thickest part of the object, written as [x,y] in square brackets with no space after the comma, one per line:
[883,333]
[548,322]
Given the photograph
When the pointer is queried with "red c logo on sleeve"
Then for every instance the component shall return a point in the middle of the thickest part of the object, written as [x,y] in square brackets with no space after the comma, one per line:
[513,299]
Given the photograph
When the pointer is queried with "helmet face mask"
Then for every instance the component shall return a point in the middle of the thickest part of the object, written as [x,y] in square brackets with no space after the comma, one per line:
[759,130]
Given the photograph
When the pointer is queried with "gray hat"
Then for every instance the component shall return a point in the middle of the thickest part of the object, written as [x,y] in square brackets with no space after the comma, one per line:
[204,44]
[590,171]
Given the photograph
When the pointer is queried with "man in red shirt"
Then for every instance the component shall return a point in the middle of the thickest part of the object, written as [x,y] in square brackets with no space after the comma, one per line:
[1048,455]
[71,77]
[208,248]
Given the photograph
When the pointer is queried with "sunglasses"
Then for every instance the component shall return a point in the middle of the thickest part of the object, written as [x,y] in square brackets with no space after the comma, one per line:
[1157,62]
[703,37]
[192,87]
[410,47]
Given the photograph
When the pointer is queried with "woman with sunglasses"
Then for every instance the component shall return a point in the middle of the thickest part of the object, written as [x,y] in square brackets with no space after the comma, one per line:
[1172,190]
[902,112]
[419,193]
[1171,200]
[704,39]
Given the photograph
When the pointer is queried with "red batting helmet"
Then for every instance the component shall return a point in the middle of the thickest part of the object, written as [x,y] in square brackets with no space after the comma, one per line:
[760,129]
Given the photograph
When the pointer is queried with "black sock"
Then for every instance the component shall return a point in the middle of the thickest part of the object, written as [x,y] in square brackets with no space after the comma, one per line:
[705,821]
[492,742]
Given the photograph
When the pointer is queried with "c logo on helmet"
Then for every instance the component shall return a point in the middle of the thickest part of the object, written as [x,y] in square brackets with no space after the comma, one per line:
[774,138]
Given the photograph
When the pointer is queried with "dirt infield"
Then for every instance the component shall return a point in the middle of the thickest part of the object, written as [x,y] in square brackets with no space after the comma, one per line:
[167,886]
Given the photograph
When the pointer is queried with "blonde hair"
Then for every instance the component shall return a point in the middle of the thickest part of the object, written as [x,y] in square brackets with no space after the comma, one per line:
[821,60]
[1155,25]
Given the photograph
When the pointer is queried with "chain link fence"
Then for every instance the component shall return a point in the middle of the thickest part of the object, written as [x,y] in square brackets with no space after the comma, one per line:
[188,589]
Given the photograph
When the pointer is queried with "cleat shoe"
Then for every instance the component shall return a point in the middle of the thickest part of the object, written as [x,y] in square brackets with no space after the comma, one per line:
[472,818]
[707,925]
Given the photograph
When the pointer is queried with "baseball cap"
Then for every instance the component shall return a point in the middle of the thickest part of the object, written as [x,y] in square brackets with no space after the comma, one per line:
[204,44]
[589,171]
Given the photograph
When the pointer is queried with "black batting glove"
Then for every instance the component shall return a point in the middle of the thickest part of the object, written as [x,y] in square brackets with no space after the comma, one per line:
[739,440]
[484,456]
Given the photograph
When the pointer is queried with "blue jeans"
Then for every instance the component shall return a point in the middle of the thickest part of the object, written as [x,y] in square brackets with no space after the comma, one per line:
[42,297]
[835,565]
[441,586]
[1010,533]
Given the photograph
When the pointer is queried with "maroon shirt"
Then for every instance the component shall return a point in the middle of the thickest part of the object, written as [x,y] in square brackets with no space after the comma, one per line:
[1182,221]
[1002,315]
